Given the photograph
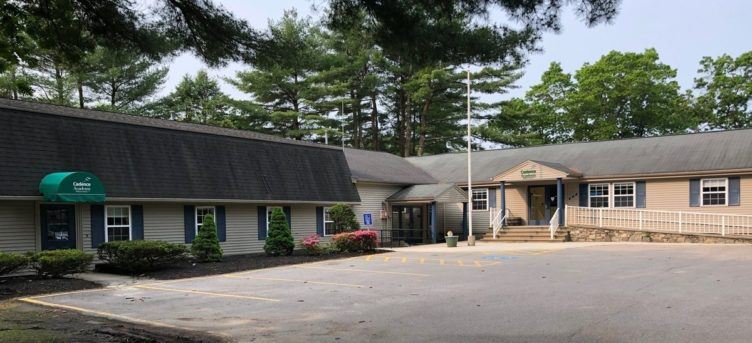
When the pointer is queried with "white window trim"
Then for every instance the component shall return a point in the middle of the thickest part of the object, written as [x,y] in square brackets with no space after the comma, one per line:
[613,195]
[195,215]
[107,227]
[268,220]
[608,196]
[324,221]
[726,192]
[487,199]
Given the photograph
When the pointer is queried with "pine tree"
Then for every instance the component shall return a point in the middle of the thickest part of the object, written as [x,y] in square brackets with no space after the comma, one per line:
[279,240]
[205,246]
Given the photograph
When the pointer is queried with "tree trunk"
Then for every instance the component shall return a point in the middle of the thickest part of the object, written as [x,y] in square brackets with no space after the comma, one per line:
[375,144]
[408,128]
[423,125]
[80,88]
[355,120]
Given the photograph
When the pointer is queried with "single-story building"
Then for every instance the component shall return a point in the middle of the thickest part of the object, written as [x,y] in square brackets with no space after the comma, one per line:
[72,178]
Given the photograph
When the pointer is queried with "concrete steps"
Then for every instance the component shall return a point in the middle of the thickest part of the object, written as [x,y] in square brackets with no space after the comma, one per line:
[522,234]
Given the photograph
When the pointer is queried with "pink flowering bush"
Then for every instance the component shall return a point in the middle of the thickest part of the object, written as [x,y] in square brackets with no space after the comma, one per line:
[355,241]
[312,245]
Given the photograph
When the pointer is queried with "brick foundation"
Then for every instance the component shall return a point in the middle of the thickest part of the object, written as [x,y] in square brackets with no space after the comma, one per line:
[593,234]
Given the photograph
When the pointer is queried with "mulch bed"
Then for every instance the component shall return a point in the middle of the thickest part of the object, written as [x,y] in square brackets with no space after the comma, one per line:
[231,264]
[24,286]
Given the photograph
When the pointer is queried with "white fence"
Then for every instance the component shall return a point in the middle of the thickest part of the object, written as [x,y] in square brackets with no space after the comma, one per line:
[669,221]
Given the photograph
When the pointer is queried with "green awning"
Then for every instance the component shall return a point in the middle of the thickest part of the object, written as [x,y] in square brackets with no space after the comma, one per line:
[72,187]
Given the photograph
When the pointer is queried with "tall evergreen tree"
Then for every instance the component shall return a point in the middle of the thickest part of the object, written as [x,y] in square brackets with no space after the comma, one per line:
[197,100]
[122,80]
[283,77]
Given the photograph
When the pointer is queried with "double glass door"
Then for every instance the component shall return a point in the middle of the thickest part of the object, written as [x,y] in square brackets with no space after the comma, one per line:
[542,204]
[407,224]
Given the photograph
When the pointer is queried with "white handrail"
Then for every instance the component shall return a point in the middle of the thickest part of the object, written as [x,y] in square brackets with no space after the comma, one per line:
[553,226]
[668,221]
[498,222]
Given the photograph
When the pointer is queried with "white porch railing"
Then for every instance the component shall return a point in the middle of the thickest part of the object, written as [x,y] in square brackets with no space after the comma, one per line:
[669,221]
[497,223]
[553,225]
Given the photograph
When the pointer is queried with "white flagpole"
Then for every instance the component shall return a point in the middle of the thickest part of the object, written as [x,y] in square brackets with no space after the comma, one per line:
[470,237]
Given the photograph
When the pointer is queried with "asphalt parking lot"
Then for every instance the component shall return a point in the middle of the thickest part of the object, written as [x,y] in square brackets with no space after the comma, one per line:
[504,293]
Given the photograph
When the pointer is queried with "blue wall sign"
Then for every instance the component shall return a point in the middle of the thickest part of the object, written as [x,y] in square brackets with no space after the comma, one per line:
[367,219]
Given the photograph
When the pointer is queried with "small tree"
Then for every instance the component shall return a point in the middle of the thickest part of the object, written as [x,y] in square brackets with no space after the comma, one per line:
[205,246]
[343,218]
[279,240]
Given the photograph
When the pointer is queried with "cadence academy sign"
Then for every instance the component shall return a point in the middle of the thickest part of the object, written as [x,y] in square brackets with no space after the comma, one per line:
[72,187]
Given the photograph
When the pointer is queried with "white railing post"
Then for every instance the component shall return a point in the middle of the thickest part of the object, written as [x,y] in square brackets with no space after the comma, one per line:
[723,225]
[640,220]
[680,222]
[600,217]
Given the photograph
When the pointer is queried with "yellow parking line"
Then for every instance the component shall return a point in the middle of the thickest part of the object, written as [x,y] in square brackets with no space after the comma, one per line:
[404,260]
[206,293]
[477,263]
[361,270]
[71,292]
[422,260]
[459,262]
[294,280]
[108,315]
[369,258]
[441,261]
[387,258]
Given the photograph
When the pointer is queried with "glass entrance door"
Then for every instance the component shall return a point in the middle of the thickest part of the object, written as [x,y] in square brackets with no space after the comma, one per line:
[407,224]
[541,204]
[58,223]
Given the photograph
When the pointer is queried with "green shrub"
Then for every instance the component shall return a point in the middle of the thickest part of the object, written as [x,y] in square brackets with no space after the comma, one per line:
[11,262]
[344,218]
[57,263]
[205,246]
[279,240]
[141,256]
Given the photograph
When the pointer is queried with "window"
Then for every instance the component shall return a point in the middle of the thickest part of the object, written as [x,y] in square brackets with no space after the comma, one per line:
[329,228]
[624,194]
[714,192]
[201,212]
[599,195]
[480,199]
[269,210]
[117,223]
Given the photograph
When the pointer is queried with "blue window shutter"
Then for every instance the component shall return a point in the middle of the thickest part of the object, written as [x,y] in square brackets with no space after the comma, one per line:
[734,191]
[97,225]
[694,192]
[288,215]
[320,220]
[584,195]
[492,197]
[137,225]
[640,194]
[262,223]
[221,223]
[189,219]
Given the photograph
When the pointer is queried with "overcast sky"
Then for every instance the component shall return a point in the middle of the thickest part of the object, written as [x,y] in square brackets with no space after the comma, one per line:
[682,31]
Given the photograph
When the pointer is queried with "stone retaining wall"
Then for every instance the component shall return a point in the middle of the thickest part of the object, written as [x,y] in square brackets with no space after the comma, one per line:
[594,234]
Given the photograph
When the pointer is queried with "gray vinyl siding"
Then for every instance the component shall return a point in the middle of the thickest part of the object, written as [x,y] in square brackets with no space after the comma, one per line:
[17,226]
[372,196]
[164,222]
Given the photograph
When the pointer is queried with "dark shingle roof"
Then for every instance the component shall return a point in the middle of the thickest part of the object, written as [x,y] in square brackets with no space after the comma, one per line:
[721,150]
[375,166]
[429,193]
[149,158]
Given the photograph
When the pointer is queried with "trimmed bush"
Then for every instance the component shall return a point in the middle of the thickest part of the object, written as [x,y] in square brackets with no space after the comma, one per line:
[58,263]
[141,256]
[312,246]
[11,262]
[344,218]
[357,241]
[205,246]
[279,240]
